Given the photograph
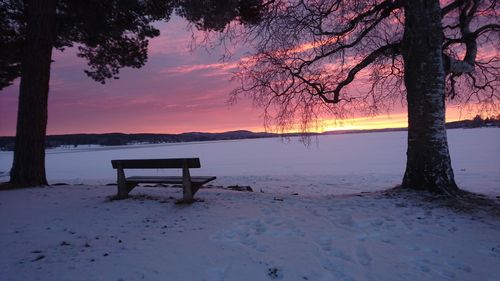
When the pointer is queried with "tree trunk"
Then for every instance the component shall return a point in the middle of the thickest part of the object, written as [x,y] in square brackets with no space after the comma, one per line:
[28,168]
[428,164]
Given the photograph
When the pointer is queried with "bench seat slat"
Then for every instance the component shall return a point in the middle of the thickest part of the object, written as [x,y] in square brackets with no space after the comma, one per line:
[171,180]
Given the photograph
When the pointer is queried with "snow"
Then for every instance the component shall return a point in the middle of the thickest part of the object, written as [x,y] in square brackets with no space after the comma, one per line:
[75,232]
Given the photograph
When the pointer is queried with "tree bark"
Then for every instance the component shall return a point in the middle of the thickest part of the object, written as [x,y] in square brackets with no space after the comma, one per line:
[428,165]
[28,168]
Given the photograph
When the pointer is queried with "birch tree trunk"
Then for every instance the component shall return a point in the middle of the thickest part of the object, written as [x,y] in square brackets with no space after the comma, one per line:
[428,164]
[28,168]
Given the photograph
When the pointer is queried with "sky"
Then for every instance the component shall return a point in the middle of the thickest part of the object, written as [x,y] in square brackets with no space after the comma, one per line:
[180,89]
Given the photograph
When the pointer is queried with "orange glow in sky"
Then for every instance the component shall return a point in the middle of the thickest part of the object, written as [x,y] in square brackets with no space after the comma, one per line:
[383,121]
[366,123]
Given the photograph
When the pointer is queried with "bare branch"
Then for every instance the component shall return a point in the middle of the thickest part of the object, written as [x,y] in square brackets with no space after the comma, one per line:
[383,9]
[387,50]
[317,56]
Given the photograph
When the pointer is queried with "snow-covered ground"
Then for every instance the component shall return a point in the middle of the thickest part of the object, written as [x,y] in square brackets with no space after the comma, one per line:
[335,164]
[75,233]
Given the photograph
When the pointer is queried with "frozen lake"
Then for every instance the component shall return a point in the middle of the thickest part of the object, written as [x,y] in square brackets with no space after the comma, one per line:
[335,164]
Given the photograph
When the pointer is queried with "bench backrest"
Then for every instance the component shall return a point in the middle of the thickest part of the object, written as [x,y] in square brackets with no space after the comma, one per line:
[156,163]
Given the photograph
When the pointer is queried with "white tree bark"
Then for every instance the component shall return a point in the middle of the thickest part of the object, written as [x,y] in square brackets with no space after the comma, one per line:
[428,160]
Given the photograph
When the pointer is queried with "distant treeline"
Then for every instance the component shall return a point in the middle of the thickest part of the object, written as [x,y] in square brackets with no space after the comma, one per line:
[113,139]
[476,122]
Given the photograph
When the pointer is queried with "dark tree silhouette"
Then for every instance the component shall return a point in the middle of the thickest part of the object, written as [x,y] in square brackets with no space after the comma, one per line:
[29,157]
[10,47]
[110,34]
[214,15]
[309,53]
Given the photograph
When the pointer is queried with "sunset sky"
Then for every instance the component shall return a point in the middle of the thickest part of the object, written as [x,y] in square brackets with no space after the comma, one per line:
[178,90]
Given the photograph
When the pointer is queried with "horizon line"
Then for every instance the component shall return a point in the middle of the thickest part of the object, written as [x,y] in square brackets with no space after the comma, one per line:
[253,132]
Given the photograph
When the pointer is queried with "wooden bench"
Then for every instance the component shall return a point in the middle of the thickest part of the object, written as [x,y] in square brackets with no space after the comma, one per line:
[190,185]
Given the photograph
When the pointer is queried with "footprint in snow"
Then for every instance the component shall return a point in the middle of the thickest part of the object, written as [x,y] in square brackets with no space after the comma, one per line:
[362,255]
[460,266]
[341,254]
[325,243]
[244,233]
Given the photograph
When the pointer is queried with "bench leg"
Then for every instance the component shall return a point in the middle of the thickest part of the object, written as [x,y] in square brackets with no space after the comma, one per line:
[187,193]
[124,189]
[187,185]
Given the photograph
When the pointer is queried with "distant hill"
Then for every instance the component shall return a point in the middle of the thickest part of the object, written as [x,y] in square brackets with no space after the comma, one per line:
[113,139]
